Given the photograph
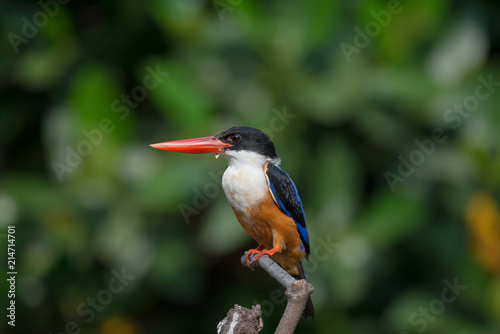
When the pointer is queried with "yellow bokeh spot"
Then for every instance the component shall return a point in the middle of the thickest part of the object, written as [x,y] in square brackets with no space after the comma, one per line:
[117,326]
[483,226]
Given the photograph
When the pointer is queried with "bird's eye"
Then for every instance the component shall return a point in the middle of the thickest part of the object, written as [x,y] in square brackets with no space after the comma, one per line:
[235,138]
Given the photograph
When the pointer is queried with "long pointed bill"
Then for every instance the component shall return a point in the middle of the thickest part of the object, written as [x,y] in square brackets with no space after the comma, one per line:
[195,145]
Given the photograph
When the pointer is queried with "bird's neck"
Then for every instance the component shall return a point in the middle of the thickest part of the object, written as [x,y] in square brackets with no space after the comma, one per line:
[248,158]
[244,181]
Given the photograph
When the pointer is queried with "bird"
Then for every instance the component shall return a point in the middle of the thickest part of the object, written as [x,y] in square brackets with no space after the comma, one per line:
[263,197]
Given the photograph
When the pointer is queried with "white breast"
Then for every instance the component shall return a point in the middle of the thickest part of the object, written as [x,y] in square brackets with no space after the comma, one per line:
[244,182]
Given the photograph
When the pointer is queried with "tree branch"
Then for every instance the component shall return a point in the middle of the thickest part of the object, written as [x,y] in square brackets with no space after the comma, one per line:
[273,269]
[241,320]
[297,292]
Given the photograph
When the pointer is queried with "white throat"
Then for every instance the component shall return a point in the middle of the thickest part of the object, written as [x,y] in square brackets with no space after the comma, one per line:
[244,182]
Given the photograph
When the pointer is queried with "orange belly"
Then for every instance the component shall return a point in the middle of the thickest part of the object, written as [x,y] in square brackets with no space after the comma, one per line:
[270,227]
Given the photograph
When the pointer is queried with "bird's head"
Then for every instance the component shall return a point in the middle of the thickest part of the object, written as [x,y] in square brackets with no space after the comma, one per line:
[234,143]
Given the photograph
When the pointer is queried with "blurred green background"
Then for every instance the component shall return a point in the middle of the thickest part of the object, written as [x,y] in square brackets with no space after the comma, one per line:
[385,114]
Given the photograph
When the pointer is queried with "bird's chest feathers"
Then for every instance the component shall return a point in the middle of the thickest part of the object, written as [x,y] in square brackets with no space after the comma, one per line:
[245,187]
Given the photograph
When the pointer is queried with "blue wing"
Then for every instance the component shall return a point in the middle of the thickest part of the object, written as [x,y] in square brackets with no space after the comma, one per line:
[286,196]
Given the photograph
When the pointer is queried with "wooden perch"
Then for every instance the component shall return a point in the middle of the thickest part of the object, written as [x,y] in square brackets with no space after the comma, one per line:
[297,292]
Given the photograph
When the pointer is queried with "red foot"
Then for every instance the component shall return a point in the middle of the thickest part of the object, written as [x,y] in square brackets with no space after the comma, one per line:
[269,252]
[252,251]
[259,252]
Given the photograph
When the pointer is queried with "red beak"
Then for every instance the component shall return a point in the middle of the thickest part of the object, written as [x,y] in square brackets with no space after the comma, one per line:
[195,145]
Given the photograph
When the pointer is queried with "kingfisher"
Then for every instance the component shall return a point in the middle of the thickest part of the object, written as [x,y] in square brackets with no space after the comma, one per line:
[264,198]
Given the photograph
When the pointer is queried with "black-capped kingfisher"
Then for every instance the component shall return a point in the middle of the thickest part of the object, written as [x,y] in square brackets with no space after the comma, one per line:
[263,196]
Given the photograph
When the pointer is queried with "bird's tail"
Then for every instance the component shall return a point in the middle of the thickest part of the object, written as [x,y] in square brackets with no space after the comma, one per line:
[309,309]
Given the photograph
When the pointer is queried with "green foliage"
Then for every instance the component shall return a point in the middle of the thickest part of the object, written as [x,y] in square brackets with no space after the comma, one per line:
[392,212]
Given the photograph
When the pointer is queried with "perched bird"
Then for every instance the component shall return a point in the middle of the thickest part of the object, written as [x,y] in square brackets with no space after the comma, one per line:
[263,197]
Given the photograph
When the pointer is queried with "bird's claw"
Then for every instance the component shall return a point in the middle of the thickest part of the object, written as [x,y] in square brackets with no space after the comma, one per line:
[250,252]
[260,251]
[250,263]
